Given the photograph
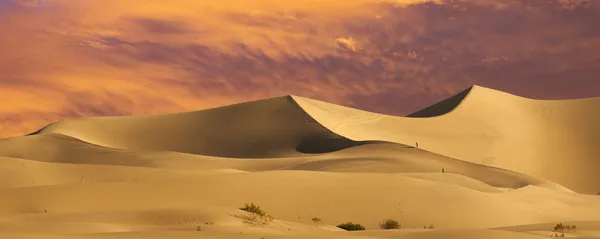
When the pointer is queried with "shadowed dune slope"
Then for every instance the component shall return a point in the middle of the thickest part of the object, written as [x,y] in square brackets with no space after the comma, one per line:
[557,140]
[442,107]
[274,127]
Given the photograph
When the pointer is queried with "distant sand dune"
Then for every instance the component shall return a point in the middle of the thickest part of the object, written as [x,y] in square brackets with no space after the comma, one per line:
[513,167]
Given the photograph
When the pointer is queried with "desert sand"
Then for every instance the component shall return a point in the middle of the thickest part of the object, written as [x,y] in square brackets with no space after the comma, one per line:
[513,168]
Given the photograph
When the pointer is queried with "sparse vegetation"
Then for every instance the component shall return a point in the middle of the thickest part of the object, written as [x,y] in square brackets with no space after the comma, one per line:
[316,220]
[389,224]
[430,226]
[562,228]
[559,227]
[257,215]
[349,226]
[254,209]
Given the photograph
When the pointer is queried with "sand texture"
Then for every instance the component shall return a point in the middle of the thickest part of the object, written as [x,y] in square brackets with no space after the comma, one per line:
[513,168]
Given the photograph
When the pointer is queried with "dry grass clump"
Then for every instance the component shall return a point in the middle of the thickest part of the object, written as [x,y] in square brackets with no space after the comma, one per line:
[389,224]
[254,209]
[349,226]
[257,217]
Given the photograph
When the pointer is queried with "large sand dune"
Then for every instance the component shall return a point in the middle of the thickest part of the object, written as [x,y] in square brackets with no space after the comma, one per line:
[514,167]
[555,140]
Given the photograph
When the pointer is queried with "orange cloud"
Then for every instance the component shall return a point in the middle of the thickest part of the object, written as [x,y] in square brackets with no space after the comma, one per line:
[64,59]
[29,3]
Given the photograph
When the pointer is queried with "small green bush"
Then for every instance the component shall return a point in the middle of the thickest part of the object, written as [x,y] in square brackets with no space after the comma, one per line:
[349,226]
[389,224]
[254,209]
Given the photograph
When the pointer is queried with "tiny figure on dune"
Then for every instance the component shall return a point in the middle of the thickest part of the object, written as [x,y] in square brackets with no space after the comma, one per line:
[443,171]
[417,144]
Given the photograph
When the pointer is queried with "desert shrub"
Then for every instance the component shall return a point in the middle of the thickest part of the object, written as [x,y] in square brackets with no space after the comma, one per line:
[257,216]
[316,220]
[389,224]
[430,226]
[560,227]
[349,226]
[254,209]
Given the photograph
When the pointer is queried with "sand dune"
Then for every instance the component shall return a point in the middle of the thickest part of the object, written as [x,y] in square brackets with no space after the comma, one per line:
[554,140]
[266,128]
[513,168]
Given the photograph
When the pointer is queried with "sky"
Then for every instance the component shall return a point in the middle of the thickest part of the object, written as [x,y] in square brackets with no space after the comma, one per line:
[62,59]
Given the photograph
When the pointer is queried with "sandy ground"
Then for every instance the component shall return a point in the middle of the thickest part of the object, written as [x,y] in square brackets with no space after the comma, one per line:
[513,168]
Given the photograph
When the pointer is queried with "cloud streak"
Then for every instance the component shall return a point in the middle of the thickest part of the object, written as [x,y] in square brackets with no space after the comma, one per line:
[67,59]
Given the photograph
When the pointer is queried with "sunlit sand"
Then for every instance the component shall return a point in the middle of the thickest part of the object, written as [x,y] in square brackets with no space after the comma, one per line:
[482,164]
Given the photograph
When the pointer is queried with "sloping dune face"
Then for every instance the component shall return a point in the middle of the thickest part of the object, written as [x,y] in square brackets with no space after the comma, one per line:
[267,128]
[555,140]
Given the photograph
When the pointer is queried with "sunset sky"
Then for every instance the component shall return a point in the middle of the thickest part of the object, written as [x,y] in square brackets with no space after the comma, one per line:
[77,58]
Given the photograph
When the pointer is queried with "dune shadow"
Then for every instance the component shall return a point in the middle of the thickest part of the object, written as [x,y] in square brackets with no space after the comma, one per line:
[328,145]
[37,131]
[443,107]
